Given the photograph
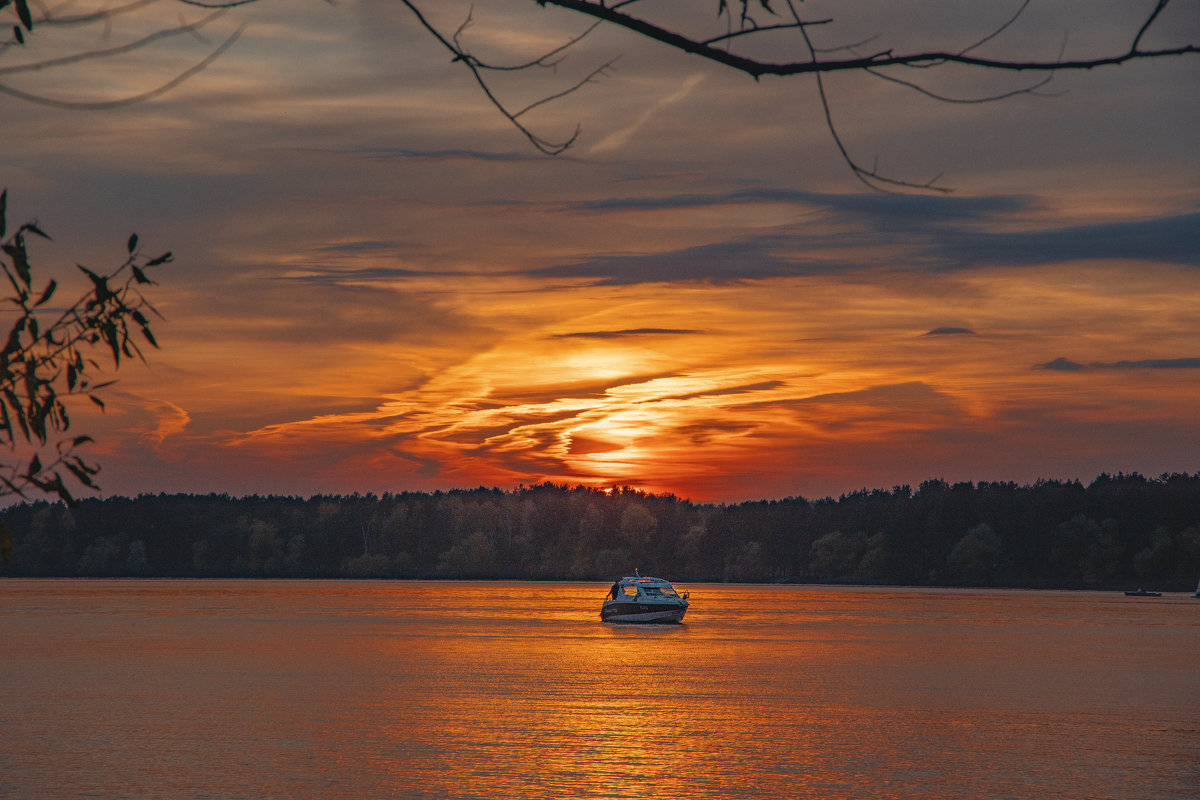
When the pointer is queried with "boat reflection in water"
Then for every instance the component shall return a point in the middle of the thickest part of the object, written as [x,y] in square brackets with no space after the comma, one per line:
[648,600]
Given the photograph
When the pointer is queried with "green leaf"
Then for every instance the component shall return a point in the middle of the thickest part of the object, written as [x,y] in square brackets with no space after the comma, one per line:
[23,13]
[100,284]
[19,410]
[20,258]
[109,329]
[3,205]
[163,259]
[59,488]
[47,293]
[35,230]
[133,239]
[20,37]
[14,337]
[97,401]
[81,476]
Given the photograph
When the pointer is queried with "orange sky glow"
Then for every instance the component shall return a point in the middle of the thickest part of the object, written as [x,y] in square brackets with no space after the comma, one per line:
[379,286]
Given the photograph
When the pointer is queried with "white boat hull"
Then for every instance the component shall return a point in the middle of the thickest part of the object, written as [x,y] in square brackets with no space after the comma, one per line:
[635,612]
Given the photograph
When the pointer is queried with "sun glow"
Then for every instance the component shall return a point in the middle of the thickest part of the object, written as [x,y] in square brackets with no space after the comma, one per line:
[785,386]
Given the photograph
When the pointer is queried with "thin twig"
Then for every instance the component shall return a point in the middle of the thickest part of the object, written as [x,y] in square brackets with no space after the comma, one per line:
[133,99]
[112,51]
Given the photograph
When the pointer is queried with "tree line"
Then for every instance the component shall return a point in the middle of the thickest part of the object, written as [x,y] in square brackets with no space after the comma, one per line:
[1118,531]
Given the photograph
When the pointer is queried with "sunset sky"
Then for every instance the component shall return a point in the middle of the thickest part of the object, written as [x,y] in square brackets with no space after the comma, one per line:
[380,285]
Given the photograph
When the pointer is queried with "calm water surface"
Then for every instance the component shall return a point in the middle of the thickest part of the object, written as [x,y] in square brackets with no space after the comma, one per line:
[198,689]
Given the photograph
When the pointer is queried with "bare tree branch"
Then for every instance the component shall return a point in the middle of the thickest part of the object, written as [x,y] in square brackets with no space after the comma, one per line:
[870,178]
[757,68]
[728,49]
[546,60]
[51,18]
[817,63]
[75,58]
[100,105]
[1031,89]
[998,30]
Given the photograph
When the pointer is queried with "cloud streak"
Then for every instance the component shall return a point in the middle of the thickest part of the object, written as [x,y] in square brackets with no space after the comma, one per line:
[941,234]
[1066,365]
[632,332]
[618,139]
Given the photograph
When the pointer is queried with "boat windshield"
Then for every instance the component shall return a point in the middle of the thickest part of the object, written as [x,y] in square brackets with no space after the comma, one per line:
[659,591]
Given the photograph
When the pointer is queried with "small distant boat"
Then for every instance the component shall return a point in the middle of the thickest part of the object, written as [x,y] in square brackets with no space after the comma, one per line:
[1147,593]
[1197,594]
[648,600]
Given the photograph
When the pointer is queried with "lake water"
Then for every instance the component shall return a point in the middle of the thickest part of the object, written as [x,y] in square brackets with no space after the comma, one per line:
[255,689]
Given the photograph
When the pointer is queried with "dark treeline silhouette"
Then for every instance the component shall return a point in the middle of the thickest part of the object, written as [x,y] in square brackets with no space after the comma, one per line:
[1118,531]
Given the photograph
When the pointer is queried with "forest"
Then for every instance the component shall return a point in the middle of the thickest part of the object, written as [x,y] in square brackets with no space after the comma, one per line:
[1119,531]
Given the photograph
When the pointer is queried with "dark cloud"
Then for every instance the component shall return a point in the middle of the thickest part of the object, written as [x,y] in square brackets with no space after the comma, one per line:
[449,154]
[886,211]
[910,394]
[762,386]
[1174,240]
[948,331]
[1063,365]
[571,389]
[361,246]
[942,234]
[877,209]
[887,404]
[704,432]
[628,332]
[1060,365]
[478,436]
[1151,363]
[582,445]
[696,200]
[339,277]
[722,262]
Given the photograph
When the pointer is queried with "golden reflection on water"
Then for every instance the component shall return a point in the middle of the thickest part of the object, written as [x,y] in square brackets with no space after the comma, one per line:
[476,690]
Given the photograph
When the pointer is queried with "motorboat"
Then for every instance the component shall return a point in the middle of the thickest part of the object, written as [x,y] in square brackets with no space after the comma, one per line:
[637,599]
[1143,593]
